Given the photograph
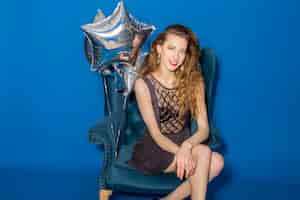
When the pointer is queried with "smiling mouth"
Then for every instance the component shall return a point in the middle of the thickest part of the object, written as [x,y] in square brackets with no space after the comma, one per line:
[173,64]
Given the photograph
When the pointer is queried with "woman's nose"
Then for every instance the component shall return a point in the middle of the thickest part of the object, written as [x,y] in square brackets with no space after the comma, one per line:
[176,56]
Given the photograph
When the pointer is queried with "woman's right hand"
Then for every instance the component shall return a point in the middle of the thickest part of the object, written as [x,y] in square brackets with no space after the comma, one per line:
[184,161]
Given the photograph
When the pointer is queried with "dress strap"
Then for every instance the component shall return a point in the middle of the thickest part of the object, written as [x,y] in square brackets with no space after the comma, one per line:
[154,99]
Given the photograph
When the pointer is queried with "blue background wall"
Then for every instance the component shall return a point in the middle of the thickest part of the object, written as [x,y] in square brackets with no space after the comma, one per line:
[49,98]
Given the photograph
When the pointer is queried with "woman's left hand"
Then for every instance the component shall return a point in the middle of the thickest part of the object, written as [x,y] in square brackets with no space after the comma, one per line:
[184,161]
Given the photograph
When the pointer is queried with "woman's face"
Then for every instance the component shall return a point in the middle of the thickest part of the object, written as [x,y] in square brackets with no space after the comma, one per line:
[172,52]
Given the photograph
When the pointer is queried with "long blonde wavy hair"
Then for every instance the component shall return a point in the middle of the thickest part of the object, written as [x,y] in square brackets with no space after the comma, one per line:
[188,76]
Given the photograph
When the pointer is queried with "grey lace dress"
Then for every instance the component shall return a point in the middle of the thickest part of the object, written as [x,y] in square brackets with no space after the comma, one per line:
[148,156]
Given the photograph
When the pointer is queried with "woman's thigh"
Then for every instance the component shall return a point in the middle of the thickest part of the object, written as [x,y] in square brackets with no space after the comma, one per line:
[171,167]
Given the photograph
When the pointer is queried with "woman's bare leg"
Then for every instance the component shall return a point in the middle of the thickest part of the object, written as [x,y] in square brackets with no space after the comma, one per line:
[184,190]
[199,180]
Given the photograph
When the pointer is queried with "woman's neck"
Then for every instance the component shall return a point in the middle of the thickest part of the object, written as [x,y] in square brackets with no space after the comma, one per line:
[166,77]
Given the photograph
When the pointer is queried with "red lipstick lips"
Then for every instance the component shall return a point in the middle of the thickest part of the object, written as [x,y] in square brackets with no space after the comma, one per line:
[173,64]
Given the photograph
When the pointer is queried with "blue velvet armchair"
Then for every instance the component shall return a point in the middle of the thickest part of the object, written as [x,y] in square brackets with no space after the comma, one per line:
[116,175]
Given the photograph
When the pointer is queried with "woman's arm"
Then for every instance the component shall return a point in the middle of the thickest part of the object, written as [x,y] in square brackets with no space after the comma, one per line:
[143,98]
[201,118]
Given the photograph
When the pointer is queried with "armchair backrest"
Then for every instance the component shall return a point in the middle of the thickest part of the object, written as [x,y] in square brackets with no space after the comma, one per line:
[113,100]
[209,70]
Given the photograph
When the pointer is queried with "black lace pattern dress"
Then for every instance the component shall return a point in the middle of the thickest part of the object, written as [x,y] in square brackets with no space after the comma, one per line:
[148,156]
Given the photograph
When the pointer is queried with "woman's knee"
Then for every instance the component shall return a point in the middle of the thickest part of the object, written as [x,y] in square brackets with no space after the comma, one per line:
[201,151]
[217,162]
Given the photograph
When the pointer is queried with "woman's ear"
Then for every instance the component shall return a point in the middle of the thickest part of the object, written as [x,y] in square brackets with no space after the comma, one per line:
[158,48]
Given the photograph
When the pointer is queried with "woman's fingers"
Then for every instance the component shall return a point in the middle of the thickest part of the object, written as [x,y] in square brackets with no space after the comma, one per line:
[184,164]
[194,167]
[180,168]
[187,168]
[190,167]
[184,167]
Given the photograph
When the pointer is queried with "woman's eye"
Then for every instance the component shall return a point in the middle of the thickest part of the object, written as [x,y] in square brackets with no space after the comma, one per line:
[181,52]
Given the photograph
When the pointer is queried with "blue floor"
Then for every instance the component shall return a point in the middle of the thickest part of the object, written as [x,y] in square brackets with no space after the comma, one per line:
[77,185]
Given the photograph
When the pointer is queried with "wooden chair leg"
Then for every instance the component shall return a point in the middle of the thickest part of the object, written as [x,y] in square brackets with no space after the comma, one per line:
[104,194]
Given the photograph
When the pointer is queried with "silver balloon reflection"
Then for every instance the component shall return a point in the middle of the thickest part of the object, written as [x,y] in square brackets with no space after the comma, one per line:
[128,73]
[118,33]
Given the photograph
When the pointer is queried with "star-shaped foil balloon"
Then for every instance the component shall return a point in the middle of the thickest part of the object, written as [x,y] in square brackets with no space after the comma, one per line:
[112,44]
[115,37]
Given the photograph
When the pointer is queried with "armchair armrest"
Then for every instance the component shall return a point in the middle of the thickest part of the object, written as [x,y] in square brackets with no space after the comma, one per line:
[101,133]
[214,140]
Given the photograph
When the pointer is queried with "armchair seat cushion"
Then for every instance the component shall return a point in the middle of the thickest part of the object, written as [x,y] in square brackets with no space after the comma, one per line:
[124,155]
[133,181]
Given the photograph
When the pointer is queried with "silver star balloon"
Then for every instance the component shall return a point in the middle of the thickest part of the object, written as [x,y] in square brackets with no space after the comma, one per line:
[115,35]
[99,16]
[112,44]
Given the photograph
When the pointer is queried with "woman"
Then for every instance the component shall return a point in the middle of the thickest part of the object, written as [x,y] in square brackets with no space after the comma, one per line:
[171,91]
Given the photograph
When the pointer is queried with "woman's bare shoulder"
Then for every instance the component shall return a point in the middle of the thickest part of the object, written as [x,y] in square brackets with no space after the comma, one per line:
[140,83]
[140,86]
